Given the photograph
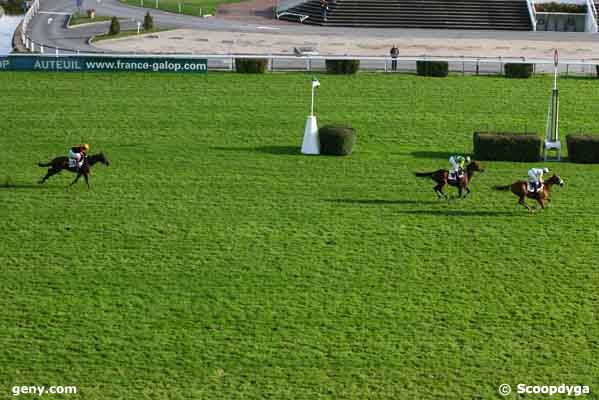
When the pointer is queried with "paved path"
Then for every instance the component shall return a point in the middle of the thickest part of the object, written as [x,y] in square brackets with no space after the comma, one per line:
[262,35]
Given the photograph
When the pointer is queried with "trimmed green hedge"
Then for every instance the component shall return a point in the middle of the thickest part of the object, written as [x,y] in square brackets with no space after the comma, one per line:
[518,70]
[115,26]
[505,146]
[336,140]
[251,65]
[432,68]
[583,148]
[561,7]
[342,66]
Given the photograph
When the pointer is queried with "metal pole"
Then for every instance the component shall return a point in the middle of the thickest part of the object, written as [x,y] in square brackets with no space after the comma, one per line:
[312,103]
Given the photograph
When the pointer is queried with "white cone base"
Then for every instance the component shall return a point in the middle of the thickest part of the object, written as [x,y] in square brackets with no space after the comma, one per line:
[310,145]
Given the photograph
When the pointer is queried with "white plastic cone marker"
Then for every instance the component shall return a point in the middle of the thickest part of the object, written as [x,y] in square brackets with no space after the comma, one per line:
[310,145]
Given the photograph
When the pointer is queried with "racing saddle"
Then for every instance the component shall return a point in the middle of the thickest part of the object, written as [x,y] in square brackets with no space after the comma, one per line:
[534,187]
[455,176]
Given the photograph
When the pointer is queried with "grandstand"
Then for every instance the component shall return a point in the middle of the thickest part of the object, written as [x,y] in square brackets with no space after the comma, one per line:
[427,14]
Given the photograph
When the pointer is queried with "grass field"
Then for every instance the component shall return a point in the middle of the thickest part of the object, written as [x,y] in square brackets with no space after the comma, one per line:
[196,8]
[212,261]
[80,19]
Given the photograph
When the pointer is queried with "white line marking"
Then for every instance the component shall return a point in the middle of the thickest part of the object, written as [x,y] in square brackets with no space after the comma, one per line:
[53,12]
[268,27]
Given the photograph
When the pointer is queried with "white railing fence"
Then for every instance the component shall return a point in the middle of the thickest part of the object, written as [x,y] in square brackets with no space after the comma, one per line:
[532,12]
[33,9]
[313,63]
[591,18]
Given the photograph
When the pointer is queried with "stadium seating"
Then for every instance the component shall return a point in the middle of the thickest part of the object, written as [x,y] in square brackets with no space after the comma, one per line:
[432,14]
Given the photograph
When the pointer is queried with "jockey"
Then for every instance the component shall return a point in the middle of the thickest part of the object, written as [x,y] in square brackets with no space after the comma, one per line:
[458,163]
[536,177]
[76,154]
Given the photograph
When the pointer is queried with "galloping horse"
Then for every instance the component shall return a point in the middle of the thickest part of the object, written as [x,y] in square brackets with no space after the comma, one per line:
[60,163]
[520,189]
[441,176]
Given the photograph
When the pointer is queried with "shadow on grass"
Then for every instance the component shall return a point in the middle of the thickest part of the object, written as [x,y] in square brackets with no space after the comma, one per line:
[375,202]
[579,77]
[462,213]
[4,186]
[432,154]
[276,150]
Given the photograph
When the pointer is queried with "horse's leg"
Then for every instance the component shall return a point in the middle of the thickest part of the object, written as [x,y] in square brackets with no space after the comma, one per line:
[467,191]
[51,171]
[522,201]
[76,179]
[439,190]
[540,201]
[86,181]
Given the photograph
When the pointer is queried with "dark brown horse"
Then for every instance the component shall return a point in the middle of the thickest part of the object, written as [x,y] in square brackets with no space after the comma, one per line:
[441,176]
[520,189]
[60,163]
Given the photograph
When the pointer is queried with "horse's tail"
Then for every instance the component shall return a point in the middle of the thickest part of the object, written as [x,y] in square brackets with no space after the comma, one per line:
[41,164]
[506,187]
[423,174]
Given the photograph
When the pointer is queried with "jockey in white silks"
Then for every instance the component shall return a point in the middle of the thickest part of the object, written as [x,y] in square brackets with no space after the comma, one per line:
[76,155]
[536,177]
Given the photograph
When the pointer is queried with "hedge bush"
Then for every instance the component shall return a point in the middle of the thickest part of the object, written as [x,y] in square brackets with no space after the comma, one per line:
[518,70]
[506,146]
[432,68]
[583,148]
[336,140]
[251,65]
[148,22]
[342,66]
[561,7]
[115,26]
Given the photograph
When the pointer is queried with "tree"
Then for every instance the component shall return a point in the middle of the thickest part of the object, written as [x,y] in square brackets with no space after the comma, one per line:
[115,26]
[148,22]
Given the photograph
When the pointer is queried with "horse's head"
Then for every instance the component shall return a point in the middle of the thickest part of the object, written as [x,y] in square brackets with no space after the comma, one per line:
[474,166]
[555,180]
[100,157]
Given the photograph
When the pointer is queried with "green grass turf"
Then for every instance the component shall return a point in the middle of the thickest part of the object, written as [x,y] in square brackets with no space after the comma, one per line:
[211,261]
[77,19]
[196,8]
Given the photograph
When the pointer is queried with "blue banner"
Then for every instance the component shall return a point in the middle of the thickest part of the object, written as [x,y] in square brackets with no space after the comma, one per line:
[104,63]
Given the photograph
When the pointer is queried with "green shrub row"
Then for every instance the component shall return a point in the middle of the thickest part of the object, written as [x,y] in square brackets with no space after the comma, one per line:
[432,68]
[561,7]
[505,146]
[336,140]
[583,148]
[518,70]
[12,6]
[251,65]
[342,66]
